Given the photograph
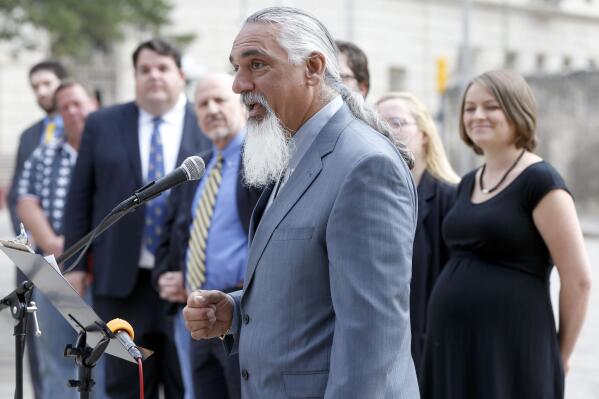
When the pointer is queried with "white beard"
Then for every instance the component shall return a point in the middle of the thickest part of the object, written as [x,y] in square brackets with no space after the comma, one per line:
[266,151]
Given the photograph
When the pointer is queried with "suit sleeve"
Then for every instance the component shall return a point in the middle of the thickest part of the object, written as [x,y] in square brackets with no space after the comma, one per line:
[369,240]
[165,257]
[78,215]
[231,341]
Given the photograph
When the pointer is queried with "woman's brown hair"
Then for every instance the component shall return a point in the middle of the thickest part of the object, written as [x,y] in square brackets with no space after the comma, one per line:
[517,101]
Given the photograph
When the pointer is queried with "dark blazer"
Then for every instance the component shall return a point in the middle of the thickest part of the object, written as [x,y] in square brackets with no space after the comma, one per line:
[107,171]
[170,254]
[29,140]
[435,199]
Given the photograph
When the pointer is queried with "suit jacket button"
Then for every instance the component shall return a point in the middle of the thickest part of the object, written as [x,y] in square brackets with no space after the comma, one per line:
[244,374]
[246,319]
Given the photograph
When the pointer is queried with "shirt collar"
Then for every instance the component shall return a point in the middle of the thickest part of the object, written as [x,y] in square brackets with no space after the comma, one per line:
[304,137]
[172,116]
[232,149]
[55,118]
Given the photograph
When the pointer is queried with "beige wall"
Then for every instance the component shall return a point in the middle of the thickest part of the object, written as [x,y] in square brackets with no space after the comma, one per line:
[403,34]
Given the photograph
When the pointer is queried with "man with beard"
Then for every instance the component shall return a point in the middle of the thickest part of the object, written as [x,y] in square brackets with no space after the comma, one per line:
[44,78]
[324,308]
[42,192]
[206,247]
[123,148]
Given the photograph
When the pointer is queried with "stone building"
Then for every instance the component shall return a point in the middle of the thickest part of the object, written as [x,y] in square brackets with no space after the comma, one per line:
[404,40]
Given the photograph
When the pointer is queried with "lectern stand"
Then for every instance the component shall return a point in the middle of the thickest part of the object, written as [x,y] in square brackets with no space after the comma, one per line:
[94,336]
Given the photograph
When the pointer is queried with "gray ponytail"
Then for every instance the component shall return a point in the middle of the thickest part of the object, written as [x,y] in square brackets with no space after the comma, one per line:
[301,34]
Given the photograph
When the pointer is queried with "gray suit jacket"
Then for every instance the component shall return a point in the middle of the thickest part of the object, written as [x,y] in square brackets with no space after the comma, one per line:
[325,307]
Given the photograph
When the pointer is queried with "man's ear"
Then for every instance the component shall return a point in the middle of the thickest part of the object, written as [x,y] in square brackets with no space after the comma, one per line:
[315,67]
[363,87]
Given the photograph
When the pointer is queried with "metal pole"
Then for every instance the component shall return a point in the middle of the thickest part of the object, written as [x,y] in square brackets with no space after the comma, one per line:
[19,332]
[465,69]
[349,7]
[465,53]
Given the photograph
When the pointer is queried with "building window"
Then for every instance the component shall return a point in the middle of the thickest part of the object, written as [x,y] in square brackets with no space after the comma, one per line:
[541,62]
[566,63]
[510,59]
[397,78]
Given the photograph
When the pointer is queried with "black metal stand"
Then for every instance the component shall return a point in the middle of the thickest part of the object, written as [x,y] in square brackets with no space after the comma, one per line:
[86,358]
[17,302]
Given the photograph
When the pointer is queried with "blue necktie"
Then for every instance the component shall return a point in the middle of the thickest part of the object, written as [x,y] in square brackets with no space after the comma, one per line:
[156,208]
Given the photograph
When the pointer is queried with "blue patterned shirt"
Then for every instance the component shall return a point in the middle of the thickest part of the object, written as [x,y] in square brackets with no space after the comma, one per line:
[46,176]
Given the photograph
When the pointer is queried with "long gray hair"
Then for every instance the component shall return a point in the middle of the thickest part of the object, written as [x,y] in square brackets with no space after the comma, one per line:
[301,35]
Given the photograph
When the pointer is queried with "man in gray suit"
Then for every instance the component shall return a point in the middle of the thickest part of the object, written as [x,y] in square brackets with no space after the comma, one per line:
[324,307]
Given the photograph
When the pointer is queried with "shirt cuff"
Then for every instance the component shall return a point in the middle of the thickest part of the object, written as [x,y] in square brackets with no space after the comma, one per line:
[234,329]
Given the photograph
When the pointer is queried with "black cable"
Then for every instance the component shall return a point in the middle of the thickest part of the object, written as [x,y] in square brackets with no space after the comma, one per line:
[91,238]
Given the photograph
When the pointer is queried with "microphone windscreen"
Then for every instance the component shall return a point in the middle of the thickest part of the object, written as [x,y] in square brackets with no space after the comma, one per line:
[194,167]
[116,325]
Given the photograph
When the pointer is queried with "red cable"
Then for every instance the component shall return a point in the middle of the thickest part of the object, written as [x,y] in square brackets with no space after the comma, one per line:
[141,379]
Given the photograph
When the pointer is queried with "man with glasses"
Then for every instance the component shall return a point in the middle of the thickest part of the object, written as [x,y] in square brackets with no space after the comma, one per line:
[353,67]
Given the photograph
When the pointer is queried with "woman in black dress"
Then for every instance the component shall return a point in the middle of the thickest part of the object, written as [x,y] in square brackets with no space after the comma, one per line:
[491,330]
[411,123]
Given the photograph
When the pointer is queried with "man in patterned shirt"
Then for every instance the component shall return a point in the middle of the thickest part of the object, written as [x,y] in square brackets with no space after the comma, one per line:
[42,191]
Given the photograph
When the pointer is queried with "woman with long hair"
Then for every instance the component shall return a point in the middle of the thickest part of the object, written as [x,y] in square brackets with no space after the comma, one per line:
[412,124]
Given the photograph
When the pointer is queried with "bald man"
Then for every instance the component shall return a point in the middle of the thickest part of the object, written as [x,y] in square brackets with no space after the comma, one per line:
[225,221]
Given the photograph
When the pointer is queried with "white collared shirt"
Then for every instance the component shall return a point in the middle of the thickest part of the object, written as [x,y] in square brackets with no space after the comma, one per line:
[171,132]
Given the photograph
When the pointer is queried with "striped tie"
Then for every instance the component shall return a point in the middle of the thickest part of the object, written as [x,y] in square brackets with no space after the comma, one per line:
[196,264]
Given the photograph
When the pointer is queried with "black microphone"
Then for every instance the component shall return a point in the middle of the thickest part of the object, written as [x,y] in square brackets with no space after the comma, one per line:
[124,334]
[191,169]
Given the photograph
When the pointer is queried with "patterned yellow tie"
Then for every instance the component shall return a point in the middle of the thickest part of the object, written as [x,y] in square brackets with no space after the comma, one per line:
[196,264]
[49,132]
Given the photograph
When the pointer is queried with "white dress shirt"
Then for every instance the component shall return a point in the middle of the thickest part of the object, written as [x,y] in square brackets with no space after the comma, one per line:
[171,132]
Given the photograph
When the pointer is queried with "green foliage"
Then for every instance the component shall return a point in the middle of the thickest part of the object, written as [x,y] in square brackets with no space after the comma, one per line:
[77,28]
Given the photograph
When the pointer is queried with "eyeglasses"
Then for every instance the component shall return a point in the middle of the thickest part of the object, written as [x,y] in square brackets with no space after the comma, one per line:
[399,123]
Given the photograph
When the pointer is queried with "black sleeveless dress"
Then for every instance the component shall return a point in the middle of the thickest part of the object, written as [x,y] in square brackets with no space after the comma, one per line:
[491,332]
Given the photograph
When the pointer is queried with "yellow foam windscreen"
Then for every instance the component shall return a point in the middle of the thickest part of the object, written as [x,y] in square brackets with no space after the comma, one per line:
[116,325]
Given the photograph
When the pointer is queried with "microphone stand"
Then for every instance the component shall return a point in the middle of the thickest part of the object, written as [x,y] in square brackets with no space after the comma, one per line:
[122,209]
[17,302]
[86,358]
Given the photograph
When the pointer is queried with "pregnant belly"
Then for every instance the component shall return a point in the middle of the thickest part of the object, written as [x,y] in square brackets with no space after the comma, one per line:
[471,294]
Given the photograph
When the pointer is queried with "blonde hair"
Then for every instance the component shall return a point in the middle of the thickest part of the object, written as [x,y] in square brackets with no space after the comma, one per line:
[436,160]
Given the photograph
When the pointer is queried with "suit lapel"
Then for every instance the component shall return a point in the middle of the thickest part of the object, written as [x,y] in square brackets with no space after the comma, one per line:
[189,143]
[129,129]
[300,180]
[259,211]
[426,193]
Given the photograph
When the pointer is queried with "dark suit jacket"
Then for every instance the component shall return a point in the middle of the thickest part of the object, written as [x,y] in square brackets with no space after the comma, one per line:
[108,170]
[30,139]
[435,199]
[170,255]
